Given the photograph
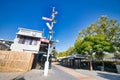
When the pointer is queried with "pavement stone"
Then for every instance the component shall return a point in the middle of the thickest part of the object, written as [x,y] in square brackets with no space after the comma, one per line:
[9,75]
[74,73]
[53,74]
[100,75]
[92,75]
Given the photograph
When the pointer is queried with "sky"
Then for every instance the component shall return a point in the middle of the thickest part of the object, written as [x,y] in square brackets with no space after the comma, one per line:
[72,17]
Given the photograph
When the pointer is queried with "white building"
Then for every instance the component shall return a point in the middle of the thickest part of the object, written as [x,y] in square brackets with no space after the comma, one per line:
[27,41]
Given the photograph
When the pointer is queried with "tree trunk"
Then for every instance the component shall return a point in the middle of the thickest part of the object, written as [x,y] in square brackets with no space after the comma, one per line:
[103,65]
[91,67]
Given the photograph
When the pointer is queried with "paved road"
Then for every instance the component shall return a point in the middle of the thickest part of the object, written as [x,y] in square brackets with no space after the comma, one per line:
[9,75]
[60,73]
[74,73]
[100,75]
[54,74]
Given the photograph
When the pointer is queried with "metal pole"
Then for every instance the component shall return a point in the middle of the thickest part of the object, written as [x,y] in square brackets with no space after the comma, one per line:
[50,38]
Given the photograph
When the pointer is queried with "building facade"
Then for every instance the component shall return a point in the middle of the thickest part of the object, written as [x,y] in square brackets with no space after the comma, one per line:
[31,41]
[27,41]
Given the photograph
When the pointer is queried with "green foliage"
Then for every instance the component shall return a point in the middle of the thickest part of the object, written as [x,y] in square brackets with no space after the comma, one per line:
[77,45]
[101,36]
[54,53]
[94,44]
[62,54]
[70,51]
[109,28]
[107,36]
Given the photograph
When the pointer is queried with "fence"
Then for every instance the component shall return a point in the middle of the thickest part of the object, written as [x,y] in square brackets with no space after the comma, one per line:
[12,61]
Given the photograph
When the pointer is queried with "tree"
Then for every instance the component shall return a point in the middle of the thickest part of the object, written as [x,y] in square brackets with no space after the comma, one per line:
[77,45]
[70,51]
[101,45]
[85,47]
[62,54]
[109,28]
[96,44]
[104,26]
[54,53]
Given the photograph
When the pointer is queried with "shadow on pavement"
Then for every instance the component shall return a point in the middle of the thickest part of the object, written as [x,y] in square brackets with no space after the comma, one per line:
[22,78]
[109,76]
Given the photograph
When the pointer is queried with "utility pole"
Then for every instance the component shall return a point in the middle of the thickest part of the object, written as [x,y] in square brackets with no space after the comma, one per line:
[50,26]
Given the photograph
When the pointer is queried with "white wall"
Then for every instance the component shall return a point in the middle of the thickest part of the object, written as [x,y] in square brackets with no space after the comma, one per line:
[28,32]
[25,48]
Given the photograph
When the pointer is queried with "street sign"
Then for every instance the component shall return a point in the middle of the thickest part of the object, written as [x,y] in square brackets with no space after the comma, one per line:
[50,38]
[48,25]
[45,18]
[44,40]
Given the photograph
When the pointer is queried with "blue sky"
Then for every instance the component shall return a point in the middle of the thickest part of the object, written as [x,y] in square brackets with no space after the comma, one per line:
[73,15]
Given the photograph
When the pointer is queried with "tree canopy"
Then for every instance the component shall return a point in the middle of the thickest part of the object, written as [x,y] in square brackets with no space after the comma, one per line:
[108,29]
[101,36]
[69,51]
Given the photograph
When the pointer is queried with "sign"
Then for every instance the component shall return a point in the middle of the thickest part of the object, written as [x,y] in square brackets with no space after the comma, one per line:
[48,25]
[44,40]
[45,18]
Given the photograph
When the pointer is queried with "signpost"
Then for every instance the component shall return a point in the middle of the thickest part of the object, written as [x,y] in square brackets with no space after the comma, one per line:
[50,38]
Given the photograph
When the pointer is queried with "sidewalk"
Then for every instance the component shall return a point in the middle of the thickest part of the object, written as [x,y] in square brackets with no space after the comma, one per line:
[9,75]
[100,75]
[90,75]
[74,73]
[54,74]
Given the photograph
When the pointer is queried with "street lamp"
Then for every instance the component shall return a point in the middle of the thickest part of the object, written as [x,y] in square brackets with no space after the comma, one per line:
[50,26]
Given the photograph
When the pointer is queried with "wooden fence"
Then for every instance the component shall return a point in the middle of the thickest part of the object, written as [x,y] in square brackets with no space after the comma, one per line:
[11,61]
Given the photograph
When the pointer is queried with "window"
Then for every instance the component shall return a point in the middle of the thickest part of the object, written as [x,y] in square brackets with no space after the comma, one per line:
[28,41]
[34,42]
[21,41]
